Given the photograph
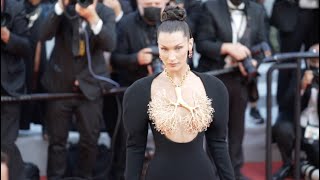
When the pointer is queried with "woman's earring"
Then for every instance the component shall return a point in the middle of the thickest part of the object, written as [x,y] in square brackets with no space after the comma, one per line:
[190,54]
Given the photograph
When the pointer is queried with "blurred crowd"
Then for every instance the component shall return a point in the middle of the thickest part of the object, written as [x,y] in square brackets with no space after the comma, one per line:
[104,44]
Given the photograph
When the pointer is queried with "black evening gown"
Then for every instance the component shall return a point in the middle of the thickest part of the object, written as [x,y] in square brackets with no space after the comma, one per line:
[172,160]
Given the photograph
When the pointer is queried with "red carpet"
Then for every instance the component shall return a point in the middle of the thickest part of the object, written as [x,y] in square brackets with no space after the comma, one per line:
[254,170]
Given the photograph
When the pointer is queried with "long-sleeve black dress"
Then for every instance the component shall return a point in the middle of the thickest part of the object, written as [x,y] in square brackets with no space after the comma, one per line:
[172,160]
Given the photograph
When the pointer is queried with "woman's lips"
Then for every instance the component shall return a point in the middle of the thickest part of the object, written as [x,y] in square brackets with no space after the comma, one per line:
[173,64]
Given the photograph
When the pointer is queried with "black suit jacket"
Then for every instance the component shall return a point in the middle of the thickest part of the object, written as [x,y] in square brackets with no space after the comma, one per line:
[285,15]
[63,68]
[133,35]
[17,49]
[214,29]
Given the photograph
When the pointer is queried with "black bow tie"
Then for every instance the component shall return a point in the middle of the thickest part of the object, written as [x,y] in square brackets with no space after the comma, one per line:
[236,9]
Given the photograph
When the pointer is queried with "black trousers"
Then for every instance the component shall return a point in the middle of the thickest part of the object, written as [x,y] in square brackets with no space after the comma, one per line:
[10,116]
[283,134]
[59,114]
[238,99]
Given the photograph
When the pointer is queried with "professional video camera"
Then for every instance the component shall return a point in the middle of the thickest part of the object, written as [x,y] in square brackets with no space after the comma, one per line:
[5,19]
[261,48]
[82,3]
[156,63]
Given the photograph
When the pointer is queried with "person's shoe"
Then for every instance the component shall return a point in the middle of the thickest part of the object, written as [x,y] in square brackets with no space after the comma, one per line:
[255,114]
[283,172]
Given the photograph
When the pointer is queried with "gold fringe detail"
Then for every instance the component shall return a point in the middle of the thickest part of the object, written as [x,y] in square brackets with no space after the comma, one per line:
[163,114]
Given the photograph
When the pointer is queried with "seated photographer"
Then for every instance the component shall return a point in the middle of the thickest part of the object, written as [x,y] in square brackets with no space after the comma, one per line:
[283,131]
[83,30]
[226,31]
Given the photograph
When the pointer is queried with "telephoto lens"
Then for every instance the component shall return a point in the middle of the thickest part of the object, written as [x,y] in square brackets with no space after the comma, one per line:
[157,66]
[82,3]
[85,3]
[251,70]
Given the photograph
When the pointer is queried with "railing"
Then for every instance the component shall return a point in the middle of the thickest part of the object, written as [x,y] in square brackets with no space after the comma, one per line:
[284,57]
[54,96]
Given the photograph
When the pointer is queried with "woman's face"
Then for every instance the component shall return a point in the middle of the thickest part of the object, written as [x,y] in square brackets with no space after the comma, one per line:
[173,50]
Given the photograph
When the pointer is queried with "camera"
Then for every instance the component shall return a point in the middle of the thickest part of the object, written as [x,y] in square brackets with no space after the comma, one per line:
[82,3]
[251,70]
[315,72]
[156,63]
[261,48]
[5,19]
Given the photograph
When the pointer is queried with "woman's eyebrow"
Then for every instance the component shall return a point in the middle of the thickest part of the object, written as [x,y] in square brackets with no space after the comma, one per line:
[174,46]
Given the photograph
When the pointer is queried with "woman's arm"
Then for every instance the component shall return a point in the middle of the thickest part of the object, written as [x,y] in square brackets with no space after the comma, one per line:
[216,135]
[136,125]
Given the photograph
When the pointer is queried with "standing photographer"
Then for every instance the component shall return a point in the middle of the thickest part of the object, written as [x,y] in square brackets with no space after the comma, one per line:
[14,49]
[132,60]
[226,32]
[71,69]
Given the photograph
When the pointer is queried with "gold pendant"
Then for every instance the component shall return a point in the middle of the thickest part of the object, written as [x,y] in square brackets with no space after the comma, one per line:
[180,101]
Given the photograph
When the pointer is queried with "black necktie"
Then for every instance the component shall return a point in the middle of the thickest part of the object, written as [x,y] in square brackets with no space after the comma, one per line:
[76,37]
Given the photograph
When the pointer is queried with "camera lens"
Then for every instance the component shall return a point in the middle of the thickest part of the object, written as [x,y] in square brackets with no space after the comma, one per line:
[157,66]
[85,3]
[251,70]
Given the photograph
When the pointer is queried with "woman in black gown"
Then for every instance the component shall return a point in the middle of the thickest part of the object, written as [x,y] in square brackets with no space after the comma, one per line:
[182,107]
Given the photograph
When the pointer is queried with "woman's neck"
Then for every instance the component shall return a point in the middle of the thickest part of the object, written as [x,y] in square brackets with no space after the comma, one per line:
[178,77]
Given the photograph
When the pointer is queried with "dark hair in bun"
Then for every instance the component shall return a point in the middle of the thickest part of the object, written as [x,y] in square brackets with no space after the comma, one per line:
[173,20]
[172,13]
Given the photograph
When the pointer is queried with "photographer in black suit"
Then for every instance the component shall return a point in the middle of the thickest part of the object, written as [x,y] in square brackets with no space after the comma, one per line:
[132,60]
[226,32]
[82,33]
[14,49]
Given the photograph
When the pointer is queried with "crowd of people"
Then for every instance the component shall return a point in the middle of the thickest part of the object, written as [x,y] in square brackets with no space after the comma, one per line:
[104,44]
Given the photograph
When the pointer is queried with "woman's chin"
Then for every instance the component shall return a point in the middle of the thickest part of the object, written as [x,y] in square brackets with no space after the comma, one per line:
[173,67]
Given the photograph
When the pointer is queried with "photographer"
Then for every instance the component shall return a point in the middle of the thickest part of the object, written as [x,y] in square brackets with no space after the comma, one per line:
[226,31]
[136,37]
[82,33]
[14,50]
[283,130]
[132,60]
[33,111]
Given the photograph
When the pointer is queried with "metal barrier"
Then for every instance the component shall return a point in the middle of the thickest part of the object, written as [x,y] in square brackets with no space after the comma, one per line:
[296,65]
[54,96]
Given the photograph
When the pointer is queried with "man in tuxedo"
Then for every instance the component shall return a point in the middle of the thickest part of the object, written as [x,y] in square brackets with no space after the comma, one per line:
[81,34]
[14,50]
[226,31]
